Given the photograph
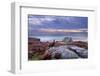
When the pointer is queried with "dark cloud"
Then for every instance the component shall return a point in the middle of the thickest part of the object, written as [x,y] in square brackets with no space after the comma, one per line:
[36,22]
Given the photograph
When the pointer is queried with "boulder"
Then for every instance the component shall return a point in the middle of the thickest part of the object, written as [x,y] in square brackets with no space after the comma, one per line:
[67,40]
[81,52]
[62,52]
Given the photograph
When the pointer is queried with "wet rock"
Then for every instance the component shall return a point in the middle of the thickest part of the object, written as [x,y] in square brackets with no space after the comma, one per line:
[63,53]
[81,52]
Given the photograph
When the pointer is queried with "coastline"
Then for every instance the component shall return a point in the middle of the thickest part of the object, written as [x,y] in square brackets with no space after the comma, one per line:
[60,38]
[38,50]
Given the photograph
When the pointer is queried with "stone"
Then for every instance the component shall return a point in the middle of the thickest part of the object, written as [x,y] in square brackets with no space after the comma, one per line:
[64,52]
[83,53]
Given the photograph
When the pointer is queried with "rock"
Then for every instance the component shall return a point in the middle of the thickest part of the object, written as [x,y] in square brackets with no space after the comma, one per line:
[63,53]
[46,57]
[79,44]
[67,39]
[57,55]
[83,53]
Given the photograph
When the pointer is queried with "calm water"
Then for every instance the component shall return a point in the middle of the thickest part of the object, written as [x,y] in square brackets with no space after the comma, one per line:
[75,36]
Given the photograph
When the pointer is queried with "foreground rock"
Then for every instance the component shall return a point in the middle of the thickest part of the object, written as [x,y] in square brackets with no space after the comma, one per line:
[38,50]
[79,44]
[67,52]
[81,52]
[63,51]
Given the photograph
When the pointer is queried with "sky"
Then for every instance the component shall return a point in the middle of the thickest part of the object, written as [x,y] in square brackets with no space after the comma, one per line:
[56,25]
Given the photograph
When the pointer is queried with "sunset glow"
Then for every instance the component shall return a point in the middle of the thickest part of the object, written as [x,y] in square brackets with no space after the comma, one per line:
[62,30]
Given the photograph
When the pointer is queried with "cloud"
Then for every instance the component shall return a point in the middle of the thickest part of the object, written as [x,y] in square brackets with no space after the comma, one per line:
[49,30]
[39,20]
[57,23]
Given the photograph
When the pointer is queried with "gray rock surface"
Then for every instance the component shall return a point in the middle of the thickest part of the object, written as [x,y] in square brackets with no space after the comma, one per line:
[83,53]
[68,52]
[64,52]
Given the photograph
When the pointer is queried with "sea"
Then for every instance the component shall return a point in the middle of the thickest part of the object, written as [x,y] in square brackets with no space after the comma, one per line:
[74,36]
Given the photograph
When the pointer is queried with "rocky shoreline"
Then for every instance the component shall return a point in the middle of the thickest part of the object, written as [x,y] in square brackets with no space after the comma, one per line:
[38,50]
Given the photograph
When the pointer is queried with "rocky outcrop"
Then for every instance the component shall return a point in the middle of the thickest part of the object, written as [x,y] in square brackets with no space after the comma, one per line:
[67,52]
[38,50]
[81,52]
[67,40]
[79,44]
[63,51]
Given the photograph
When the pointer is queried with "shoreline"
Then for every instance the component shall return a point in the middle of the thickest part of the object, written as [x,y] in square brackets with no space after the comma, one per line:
[60,38]
[37,49]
